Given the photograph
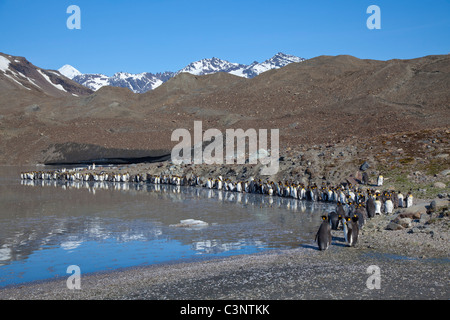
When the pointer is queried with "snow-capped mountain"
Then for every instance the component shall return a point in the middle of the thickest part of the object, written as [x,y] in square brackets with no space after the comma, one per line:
[213,65]
[277,61]
[143,82]
[69,71]
[138,83]
[92,81]
[208,66]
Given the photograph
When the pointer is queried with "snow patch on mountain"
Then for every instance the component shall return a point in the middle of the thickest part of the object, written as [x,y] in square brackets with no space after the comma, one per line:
[278,61]
[208,66]
[4,64]
[92,81]
[16,81]
[138,83]
[57,86]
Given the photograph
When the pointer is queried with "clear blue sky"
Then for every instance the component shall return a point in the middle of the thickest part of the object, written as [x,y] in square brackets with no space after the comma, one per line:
[159,35]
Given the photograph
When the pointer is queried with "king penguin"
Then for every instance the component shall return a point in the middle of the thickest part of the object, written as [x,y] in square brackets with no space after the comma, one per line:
[380,180]
[400,200]
[388,206]
[361,213]
[351,230]
[340,209]
[370,207]
[333,217]
[346,230]
[409,200]
[377,206]
[323,236]
[355,230]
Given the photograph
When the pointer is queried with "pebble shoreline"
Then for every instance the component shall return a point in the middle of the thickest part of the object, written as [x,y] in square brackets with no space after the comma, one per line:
[303,273]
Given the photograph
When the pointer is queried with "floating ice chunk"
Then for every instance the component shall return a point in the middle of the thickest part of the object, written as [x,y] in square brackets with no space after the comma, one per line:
[5,253]
[70,245]
[190,223]
[16,81]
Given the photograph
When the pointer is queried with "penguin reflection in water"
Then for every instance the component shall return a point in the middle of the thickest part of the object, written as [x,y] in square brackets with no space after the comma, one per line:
[351,230]
[323,236]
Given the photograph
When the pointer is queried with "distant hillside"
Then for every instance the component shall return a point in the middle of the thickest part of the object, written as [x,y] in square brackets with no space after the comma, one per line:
[319,101]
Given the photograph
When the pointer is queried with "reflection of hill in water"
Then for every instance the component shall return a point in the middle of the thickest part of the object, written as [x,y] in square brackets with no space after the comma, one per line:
[63,214]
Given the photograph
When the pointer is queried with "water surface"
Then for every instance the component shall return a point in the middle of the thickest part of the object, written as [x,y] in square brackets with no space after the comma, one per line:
[46,226]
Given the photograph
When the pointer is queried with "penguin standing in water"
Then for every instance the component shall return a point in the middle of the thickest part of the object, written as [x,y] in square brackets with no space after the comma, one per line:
[312,193]
[323,236]
[324,194]
[334,218]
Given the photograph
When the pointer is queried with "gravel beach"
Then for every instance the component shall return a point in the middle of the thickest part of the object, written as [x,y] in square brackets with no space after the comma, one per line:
[413,263]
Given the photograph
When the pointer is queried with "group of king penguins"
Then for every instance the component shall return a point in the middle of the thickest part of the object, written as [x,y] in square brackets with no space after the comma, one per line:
[350,225]
[354,205]
[351,216]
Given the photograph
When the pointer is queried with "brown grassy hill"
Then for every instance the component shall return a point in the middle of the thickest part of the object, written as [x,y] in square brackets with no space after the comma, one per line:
[320,101]
[328,97]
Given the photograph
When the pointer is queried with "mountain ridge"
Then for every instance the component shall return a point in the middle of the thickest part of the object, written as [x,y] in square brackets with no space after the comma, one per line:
[323,100]
[146,81]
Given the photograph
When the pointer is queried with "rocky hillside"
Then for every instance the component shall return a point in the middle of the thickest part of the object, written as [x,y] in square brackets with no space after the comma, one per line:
[18,74]
[322,101]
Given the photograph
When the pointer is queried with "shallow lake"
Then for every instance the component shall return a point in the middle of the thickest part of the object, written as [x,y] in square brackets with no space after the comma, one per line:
[46,226]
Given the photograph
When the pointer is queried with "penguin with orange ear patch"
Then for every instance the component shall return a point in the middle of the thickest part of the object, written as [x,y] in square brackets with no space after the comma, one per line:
[340,209]
[323,236]
[351,230]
